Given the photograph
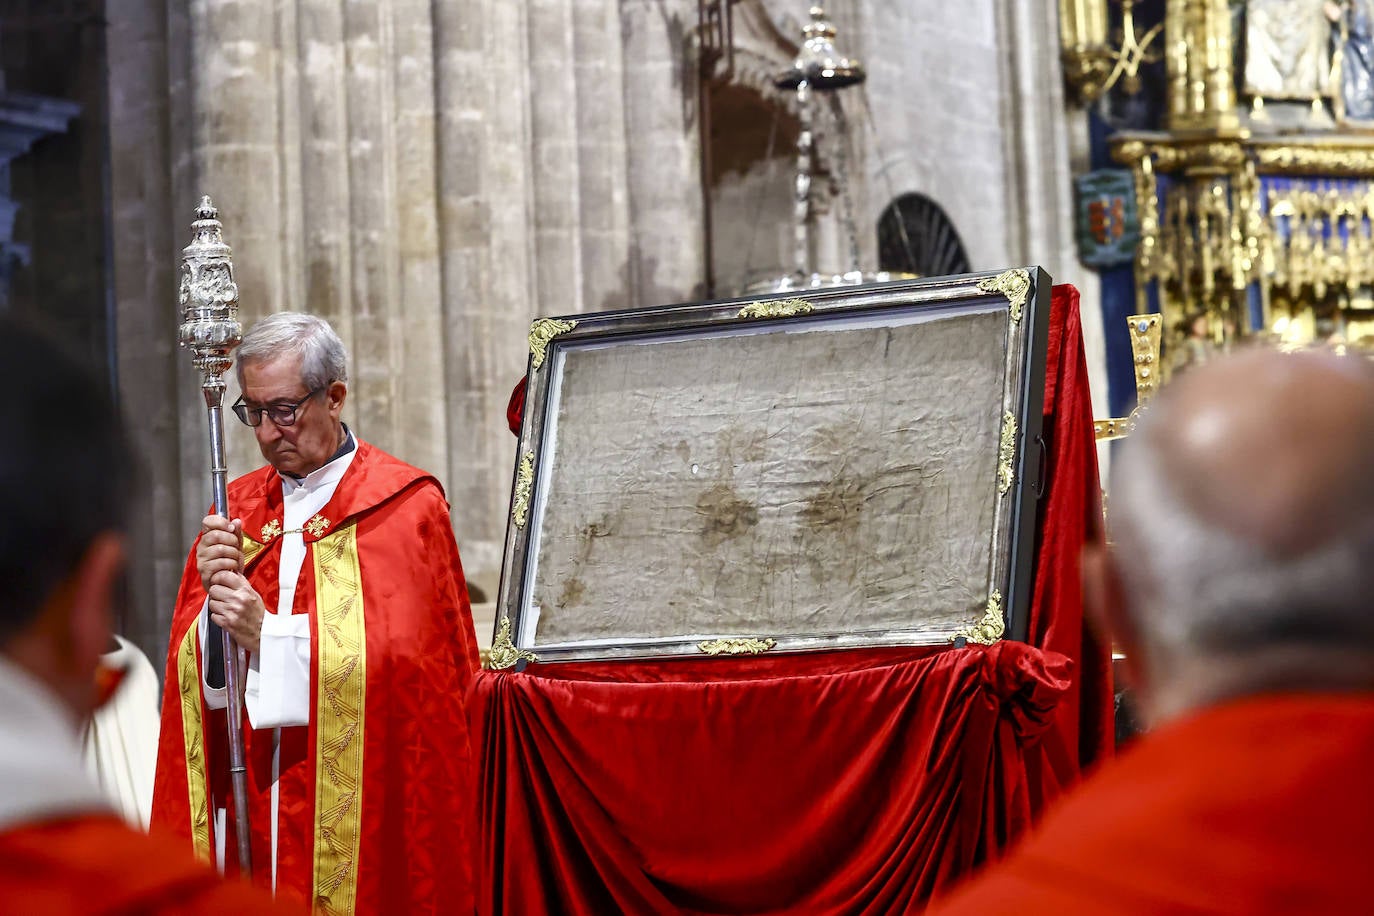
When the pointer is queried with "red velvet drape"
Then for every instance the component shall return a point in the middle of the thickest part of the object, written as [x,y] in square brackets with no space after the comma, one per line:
[853,782]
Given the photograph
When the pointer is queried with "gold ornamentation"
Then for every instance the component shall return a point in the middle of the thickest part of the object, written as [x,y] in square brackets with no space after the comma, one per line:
[1145,336]
[192,732]
[340,714]
[1091,67]
[1015,285]
[1202,86]
[251,549]
[1330,160]
[781,308]
[524,483]
[1114,428]
[988,630]
[317,526]
[736,646]
[1200,157]
[1006,454]
[543,331]
[271,530]
[504,653]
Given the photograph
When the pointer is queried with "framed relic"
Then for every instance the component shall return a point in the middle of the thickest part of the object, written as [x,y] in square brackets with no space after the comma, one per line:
[858,467]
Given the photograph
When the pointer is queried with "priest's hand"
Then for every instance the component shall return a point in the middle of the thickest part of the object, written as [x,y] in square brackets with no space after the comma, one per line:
[219,549]
[237,607]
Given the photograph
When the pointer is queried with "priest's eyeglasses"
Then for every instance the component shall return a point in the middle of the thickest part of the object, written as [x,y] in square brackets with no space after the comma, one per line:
[280,414]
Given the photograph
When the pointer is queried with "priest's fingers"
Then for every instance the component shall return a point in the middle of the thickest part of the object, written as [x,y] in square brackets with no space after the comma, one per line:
[209,552]
[239,610]
[211,570]
[230,578]
[213,558]
[216,523]
[219,538]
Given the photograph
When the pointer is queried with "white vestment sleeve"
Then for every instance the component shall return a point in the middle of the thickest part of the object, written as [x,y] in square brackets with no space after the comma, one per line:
[215,697]
[277,693]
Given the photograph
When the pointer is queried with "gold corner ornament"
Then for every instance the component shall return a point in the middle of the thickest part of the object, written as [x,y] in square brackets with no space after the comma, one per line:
[1145,333]
[524,483]
[1145,350]
[543,331]
[271,530]
[736,646]
[1015,285]
[781,308]
[1006,454]
[503,653]
[988,630]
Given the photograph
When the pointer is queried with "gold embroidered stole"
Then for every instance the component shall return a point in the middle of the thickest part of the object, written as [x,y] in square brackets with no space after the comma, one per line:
[188,682]
[342,670]
[193,727]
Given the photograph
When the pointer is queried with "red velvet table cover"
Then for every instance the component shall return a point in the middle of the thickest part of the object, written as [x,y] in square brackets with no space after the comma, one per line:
[846,782]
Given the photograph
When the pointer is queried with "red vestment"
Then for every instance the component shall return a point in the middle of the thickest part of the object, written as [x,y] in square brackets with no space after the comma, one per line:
[376,794]
[95,864]
[1261,806]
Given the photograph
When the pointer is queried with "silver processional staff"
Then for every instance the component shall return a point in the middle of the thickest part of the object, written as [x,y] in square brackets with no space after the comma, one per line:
[210,329]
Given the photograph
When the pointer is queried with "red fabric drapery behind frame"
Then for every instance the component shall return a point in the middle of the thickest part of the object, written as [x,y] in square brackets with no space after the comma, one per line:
[854,782]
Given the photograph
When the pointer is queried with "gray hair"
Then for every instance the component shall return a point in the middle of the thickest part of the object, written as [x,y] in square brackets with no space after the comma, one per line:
[1195,588]
[323,357]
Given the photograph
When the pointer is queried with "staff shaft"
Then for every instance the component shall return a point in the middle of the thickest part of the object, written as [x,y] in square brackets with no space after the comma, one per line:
[234,661]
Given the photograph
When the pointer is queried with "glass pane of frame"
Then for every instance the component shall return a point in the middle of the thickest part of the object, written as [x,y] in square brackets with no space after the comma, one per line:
[848,469]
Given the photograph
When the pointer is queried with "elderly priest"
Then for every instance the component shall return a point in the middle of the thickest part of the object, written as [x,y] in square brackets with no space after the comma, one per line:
[1240,588]
[340,577]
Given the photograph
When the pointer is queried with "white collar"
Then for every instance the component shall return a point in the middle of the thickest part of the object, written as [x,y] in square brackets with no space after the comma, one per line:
[42,775]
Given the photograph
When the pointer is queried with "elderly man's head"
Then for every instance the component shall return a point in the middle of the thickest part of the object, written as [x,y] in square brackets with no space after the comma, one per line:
[1242,511]
[293,374]
[65,479]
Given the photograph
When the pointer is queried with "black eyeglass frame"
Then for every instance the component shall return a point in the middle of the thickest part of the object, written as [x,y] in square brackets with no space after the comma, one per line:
[279,414]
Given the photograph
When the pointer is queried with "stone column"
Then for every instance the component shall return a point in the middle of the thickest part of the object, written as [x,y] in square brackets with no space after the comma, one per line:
[665,257]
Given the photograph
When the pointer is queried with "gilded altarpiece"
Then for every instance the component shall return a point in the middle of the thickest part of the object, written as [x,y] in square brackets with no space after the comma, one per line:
[1256,202]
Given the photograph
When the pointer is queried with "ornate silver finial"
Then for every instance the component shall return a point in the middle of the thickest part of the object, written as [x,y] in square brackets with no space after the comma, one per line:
[818,63]
[209,298]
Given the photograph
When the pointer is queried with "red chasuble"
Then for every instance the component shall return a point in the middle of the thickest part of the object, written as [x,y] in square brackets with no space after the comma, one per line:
[95,865]
[1263,806]
[376,794]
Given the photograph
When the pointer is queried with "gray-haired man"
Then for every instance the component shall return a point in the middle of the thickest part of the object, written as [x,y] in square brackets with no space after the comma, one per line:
[340,577]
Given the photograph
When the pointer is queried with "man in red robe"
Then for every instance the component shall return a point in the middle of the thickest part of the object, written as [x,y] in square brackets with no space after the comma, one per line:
[65,476]
[340,577]
[1239,587]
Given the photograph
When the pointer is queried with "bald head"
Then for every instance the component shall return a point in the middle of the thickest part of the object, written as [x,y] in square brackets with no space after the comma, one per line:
[1273,448]
[1243,514]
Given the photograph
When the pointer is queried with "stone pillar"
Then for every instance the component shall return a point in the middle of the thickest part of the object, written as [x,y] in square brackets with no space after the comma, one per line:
[489,289]
[1046,144]
[666,261]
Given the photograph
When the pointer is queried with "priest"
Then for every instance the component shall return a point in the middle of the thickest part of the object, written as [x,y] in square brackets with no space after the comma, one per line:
[65,478]
[339,576]
[1239,588]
